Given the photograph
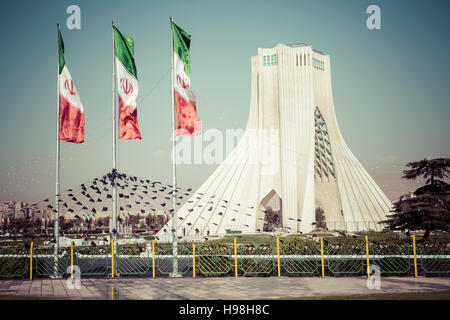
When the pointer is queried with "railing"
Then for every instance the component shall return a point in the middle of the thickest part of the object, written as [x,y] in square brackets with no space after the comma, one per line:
[284,257]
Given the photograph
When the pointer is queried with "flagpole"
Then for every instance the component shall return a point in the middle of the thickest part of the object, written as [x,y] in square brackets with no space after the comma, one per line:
[113,228]
[174,170]
[57,188]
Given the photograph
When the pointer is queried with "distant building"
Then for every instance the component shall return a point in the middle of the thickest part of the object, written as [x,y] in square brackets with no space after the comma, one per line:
[409,195]
[18,210]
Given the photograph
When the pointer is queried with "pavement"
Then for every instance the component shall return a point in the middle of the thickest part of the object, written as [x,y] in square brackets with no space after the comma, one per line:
[242,288]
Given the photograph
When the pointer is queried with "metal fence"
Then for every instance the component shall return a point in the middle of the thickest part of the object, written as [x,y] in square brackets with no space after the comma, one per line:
[285,257]
[14,266]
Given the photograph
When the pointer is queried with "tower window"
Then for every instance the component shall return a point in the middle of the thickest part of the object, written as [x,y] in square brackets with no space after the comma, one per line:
[264,61]
[318,64]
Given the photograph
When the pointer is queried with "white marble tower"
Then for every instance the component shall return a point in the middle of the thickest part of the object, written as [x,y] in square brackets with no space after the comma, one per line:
[293,147]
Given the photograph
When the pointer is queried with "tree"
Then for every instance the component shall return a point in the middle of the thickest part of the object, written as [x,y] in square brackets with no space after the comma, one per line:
[272,216]
[429,207]
[151,220]
[65,226]
[134,219]
[320,218]
[429,169]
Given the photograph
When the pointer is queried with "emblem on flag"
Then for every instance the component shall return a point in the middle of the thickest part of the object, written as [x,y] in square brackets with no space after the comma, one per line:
[68,84]
[126,86]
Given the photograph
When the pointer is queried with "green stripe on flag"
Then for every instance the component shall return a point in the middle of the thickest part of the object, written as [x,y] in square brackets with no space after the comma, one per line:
[62,62]
[124,46]
[181,44]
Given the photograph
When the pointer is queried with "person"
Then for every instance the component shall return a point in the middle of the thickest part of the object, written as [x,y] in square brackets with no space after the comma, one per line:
[196,231]
[207,232]
[184,232]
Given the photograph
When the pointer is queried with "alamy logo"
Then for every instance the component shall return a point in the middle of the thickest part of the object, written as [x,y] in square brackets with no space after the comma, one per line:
[74,20]
[74,281]
[262,148]
[374,20]
[374,281]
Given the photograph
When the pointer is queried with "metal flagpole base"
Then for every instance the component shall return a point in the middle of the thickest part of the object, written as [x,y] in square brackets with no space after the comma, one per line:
[175,275]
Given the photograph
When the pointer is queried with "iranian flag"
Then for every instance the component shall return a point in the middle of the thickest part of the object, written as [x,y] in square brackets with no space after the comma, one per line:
[187,121]
[127,84]
[71,113]
[93,219]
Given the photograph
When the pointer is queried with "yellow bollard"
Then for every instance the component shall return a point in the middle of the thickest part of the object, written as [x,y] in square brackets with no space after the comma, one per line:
[278,256]
[321,253]
[31,260]
[153,257]
[415,257]
[193,260]
[71,258]
[367,253]
[235,258]
[112,258]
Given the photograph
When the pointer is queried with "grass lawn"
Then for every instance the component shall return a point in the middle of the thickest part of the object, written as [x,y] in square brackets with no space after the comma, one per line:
[435,295]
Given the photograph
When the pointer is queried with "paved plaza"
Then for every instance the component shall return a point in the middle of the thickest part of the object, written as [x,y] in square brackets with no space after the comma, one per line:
[215,288]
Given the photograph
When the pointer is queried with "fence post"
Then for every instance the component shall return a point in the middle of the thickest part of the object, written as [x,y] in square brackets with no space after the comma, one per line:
[71,258]
[153,257]
[112,258]
[415,257]
[235,258]
[31,260]
[193,260]
[367,253]
[278,256]
[321,254]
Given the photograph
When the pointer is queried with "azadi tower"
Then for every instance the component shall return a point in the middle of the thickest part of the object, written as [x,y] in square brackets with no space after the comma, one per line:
[292,147]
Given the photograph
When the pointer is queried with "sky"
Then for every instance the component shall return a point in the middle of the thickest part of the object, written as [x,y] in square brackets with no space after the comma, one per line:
[390,86]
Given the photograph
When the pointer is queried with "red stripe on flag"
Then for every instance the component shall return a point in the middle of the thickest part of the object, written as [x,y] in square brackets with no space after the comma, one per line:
[188,122]
[128,124]
[71,122]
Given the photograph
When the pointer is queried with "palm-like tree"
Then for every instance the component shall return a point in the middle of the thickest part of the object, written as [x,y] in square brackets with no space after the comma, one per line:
[429,209]
[431,170]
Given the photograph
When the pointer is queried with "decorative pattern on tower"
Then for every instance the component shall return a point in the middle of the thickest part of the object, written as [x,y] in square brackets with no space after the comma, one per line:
[324,167]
